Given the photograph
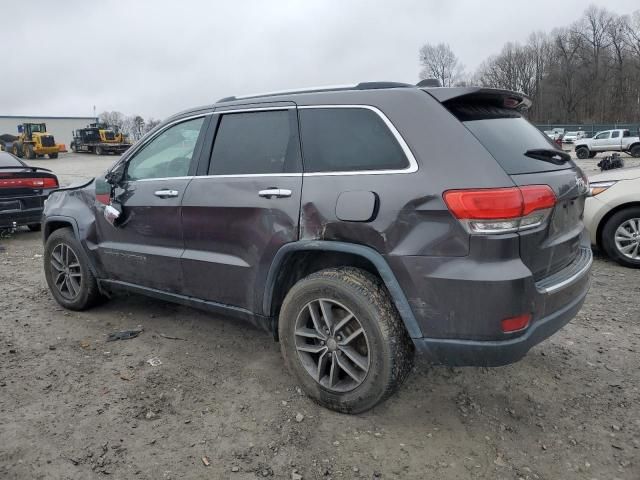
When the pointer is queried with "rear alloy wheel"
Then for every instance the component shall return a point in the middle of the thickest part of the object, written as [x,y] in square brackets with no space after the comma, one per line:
[67,272]
[343,340]
[582,153]
[635,151]
[621,237]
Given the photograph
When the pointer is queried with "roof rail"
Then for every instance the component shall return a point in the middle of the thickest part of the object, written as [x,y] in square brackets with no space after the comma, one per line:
[329,88]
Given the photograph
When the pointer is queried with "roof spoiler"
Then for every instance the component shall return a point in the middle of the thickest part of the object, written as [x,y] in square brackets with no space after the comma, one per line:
[494,96]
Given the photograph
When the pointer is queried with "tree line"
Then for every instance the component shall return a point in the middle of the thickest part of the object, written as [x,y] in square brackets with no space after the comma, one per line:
[587,72]
[134,126]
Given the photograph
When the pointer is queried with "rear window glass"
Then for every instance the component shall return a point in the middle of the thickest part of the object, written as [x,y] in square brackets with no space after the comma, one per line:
[348,139]
[507,136]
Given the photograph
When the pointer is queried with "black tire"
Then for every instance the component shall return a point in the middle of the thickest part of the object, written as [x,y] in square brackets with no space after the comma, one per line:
[17,150]
[609,233]
[73,147]
[53,155]
[99,151]
[592,154]
[88,293]
[34,227]
[389,348]
[635,151]
[28,152]
[582,153]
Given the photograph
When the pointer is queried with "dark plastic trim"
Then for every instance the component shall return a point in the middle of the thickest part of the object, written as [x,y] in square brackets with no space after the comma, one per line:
[495,353]
[385,272]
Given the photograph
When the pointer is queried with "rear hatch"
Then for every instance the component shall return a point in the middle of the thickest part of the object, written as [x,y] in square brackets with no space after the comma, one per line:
[494,117]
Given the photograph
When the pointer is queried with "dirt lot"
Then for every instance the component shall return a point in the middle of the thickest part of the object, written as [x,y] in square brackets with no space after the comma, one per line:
[74,406]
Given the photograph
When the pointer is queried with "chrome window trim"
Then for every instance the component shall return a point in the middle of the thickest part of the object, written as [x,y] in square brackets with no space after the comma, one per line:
[143,142]
[412,168]
[413,164]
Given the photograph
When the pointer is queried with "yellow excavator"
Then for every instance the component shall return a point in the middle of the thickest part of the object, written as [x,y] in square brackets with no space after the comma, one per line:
[34,141]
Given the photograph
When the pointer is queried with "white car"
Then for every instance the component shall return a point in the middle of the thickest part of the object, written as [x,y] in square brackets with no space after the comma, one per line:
[572,137]
[612,214]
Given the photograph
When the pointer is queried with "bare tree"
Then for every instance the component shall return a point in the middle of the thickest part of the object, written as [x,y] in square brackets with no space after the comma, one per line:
[439,61]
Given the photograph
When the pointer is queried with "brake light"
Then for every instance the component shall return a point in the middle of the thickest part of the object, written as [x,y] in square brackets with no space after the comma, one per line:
[514,324]
[501,210]
[44,182]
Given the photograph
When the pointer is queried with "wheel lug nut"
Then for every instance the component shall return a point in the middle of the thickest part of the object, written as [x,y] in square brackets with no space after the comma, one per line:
[338,338]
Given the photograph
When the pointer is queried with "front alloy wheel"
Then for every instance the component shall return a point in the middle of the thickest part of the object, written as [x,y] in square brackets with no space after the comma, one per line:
[66,272]
[627,239]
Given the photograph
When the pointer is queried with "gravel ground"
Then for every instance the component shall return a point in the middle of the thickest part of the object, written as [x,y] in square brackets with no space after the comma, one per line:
[74,406]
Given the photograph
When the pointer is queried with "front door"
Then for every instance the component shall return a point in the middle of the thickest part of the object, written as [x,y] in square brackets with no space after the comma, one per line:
[145,246]
[600,141]
[237,216]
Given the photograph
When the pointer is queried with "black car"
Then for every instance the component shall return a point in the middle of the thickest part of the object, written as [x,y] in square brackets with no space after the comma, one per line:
[23,190]
[354,224]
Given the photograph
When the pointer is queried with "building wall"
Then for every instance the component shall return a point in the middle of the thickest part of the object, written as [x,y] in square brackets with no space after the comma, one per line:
[59,127]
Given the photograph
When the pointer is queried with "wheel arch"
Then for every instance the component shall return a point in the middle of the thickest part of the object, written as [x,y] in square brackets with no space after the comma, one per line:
[53,223]
[608,215]
[298,259]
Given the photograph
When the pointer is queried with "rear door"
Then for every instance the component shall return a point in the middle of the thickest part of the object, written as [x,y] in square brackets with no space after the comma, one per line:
[615,141]
[508,137]
[244,207]
[146,246]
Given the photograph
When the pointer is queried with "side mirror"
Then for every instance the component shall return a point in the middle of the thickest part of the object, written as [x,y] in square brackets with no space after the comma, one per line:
[116,174]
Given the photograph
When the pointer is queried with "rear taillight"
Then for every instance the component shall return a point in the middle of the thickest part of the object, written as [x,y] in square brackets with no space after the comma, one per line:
[501,210]
[45,182]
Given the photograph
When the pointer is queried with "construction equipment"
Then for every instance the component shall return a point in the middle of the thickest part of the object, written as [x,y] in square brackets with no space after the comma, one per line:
[100,139]
[34,141]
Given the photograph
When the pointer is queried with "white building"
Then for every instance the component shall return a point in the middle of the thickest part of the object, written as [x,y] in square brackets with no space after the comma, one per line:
[59,127]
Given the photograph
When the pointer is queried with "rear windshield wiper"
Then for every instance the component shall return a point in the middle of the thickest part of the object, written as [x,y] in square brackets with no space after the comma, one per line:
[551,155]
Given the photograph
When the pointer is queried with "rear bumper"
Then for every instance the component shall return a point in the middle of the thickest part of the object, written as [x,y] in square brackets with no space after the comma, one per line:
[459,303]
[493,353]
[20,217]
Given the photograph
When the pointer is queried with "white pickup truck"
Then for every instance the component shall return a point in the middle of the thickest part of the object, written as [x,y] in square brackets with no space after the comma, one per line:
[608,141]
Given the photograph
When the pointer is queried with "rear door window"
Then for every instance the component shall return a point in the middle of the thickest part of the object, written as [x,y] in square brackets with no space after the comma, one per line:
[615,134]
[507,136]
[348,139]
[250,143]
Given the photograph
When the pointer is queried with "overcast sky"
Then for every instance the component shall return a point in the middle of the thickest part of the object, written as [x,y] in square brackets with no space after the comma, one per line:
[155,57]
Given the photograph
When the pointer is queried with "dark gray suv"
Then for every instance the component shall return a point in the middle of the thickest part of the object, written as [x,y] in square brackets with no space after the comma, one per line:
[356,224]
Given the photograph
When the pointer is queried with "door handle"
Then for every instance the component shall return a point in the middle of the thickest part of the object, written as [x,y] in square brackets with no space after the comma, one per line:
[275,192]
[166,193]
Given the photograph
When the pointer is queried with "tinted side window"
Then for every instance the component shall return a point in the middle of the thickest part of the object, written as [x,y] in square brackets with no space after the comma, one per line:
[603,136]
[167,155]
[615,134]
[255,143]
[348,139]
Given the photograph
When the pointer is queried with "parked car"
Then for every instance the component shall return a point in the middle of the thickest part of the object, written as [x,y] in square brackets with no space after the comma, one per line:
[572,137]
[23,190]
[355,224]
[555,134]
[608,141]
[612,214]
